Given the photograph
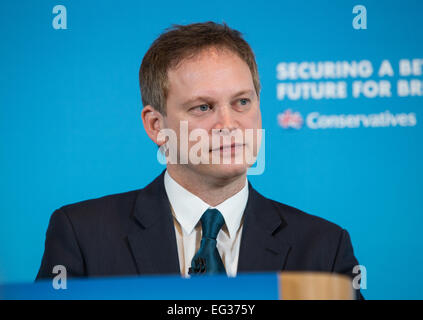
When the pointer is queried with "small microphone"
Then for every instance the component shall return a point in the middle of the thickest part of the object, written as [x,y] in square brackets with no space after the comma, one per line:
[200,266]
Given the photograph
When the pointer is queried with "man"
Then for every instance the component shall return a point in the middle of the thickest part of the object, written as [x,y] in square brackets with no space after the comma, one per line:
[196,217]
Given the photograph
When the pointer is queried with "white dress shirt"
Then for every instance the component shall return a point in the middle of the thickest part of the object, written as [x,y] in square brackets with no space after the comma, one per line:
[187,210]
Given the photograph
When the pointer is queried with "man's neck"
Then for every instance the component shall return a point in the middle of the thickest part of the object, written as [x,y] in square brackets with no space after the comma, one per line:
[211,190]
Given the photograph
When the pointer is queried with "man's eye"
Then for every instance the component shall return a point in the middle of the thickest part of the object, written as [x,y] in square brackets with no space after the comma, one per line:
[244,102]
[204,107]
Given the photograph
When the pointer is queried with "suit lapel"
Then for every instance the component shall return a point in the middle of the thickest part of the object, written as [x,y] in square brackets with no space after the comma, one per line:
[262,246]
[152,239]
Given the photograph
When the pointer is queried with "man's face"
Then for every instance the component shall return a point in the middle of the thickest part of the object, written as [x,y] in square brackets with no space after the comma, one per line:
[214,91]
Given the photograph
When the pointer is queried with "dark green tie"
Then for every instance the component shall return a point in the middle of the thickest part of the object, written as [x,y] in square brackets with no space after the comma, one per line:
[207,259]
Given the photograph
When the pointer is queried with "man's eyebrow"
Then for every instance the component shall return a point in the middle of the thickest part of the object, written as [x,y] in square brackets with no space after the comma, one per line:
[196,99]
[244,92]
[211,99]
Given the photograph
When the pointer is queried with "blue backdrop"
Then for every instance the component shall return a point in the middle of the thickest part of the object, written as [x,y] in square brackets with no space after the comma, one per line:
[71,129]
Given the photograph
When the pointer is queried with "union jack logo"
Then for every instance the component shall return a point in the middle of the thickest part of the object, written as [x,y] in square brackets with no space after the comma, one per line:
[289,119]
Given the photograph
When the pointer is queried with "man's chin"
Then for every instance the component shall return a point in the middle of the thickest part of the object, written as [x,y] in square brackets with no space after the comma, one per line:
[223,171]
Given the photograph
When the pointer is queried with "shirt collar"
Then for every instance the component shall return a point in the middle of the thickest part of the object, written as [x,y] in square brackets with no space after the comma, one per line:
[189,208]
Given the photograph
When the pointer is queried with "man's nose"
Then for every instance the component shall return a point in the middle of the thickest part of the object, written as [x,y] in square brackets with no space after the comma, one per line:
[226,119]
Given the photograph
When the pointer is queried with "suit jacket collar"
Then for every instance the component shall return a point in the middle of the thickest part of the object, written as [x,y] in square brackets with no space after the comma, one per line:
[153,240]
[262,245]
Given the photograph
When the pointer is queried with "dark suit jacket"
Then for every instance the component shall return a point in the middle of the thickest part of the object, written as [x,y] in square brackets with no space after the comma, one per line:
[133,233]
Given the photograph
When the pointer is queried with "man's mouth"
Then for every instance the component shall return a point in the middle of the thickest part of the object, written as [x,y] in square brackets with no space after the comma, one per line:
[230,147]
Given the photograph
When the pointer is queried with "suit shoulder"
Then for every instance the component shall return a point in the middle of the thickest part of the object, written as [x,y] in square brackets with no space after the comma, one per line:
[295,216]
[105,206]
[109,209]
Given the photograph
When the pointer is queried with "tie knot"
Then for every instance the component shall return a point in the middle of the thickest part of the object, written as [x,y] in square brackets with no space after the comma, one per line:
[211,222]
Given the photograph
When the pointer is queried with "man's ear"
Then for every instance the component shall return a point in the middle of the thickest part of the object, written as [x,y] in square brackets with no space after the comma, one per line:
[153,122]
